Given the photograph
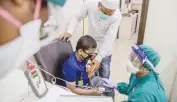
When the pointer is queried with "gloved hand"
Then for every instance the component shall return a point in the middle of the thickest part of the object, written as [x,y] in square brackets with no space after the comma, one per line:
[109,84]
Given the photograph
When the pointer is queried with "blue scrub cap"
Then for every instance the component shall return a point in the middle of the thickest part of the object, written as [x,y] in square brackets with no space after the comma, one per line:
[152,56]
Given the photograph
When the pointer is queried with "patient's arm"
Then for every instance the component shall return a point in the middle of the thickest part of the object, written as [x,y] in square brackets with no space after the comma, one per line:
[80,91]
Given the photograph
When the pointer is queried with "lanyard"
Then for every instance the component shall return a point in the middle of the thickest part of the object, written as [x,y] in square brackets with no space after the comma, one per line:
[79,78]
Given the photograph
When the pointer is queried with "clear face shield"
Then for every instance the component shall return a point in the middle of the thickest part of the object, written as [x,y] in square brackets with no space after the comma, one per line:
[136,60]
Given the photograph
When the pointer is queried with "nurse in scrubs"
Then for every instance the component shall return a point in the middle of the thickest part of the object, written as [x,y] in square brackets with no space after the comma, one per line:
[144,83]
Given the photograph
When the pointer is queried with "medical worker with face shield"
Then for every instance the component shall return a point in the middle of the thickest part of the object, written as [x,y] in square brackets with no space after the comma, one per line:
[144,83]
[20,25]
[104,19]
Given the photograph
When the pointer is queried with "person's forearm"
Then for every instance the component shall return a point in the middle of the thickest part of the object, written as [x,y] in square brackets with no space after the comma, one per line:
[80,91]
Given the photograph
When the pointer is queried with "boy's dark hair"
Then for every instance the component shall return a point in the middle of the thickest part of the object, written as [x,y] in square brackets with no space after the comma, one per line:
[86,42]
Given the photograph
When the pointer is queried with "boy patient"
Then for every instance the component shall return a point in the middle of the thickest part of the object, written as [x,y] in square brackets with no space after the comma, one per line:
[78,71]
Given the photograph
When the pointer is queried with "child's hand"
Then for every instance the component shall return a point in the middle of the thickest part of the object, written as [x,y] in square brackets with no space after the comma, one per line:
[90,70]
[89,67]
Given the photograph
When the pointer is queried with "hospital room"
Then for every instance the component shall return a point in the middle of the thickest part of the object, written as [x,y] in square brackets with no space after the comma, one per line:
[88,51]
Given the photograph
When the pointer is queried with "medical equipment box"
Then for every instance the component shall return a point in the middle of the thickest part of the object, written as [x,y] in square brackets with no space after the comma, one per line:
[35,80]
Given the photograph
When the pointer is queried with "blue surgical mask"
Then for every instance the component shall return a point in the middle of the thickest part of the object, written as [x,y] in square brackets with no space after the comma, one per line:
[58,2]
[103,16]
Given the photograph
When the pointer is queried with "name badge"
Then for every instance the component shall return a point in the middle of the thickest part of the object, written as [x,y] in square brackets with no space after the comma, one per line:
[80,82]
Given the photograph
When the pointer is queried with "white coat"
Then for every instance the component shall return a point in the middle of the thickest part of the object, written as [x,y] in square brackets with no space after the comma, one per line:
[103,31]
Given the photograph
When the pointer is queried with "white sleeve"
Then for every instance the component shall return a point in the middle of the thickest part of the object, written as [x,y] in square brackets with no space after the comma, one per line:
[78,17]
[109,39]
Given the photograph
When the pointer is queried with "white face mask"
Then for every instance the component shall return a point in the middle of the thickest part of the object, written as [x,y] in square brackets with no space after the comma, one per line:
[16,52]
[131,68]
[103,16]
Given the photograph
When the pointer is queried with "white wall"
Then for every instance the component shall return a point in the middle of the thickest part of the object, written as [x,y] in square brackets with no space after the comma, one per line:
[161,34]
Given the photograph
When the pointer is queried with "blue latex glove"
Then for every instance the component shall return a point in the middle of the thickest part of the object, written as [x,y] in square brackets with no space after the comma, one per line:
[109,84]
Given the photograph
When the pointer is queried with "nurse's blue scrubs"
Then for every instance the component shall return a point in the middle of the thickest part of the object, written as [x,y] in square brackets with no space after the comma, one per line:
[145,89]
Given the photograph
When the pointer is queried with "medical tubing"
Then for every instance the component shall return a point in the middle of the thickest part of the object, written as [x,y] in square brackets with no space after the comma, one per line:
[53,80]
